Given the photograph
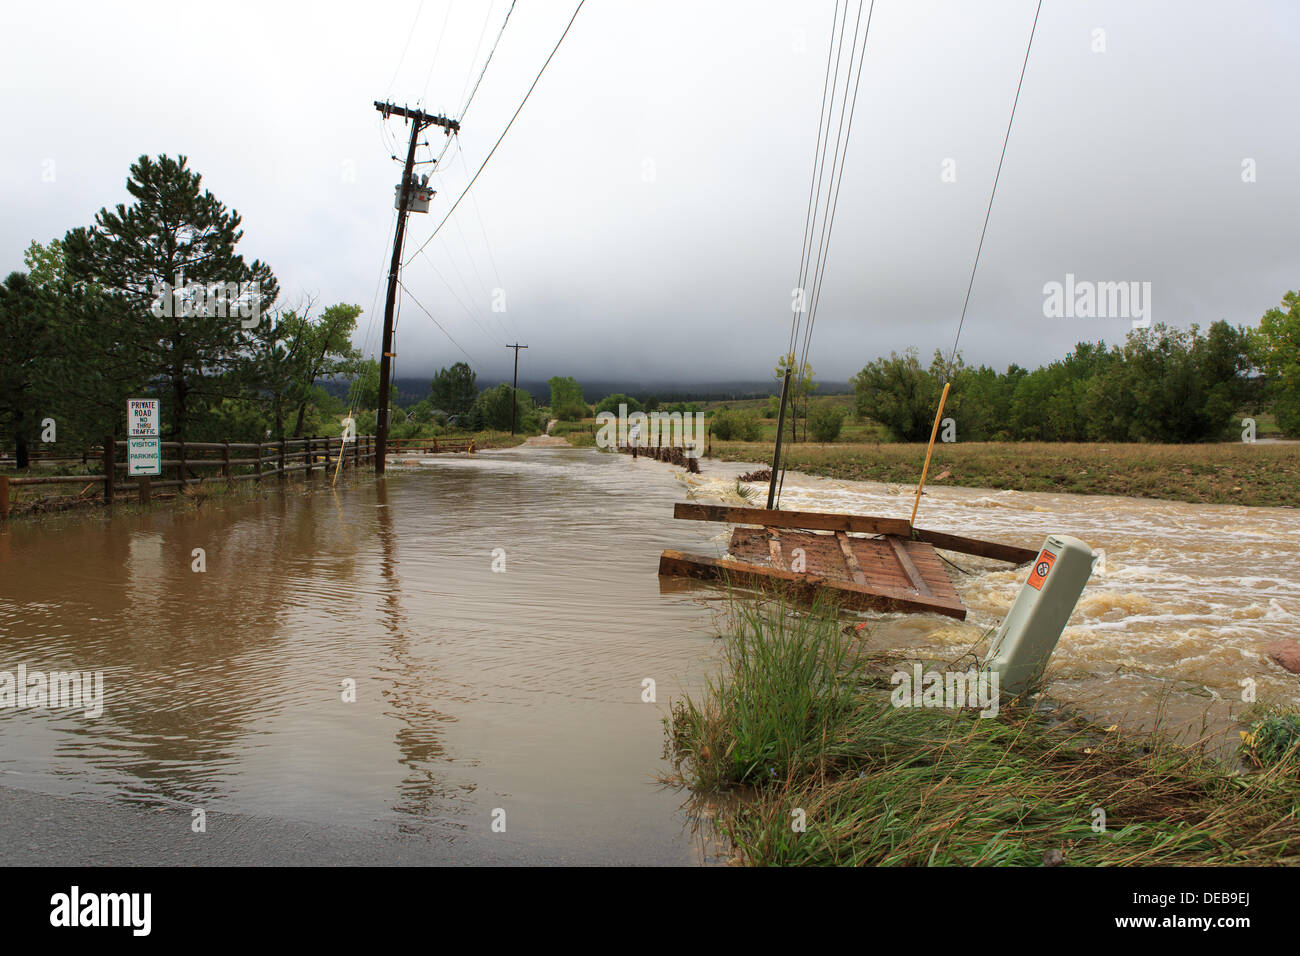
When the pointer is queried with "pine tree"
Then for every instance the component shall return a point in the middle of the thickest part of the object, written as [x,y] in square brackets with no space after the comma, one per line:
[170,260]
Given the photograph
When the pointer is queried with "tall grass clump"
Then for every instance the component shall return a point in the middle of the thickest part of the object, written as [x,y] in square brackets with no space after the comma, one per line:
[789,681]
[799,725]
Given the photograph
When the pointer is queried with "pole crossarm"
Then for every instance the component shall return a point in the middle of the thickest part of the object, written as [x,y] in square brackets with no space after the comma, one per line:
[421,118]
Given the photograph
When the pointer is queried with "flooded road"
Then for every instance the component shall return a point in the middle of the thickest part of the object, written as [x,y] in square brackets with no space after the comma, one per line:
[520,689]
[475,690]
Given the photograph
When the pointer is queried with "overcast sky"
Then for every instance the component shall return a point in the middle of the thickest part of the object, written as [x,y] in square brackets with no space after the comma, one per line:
[644,213]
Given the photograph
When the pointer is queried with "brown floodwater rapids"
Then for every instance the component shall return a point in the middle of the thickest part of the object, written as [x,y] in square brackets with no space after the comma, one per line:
[521,690]
[1172,622]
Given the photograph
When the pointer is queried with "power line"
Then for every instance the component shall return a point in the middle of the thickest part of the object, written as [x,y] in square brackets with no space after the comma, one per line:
[839,156]
[506,130]
[482,32]
[993,192]
[812,179]
[435,322]
[464,307]
[401,59]
[487,244]
[828,221]
[465,109]
[441,33]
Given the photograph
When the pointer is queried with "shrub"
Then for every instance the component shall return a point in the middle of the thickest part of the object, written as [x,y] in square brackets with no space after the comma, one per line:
[572,412]
[728,425]
[825,421]
[610,403]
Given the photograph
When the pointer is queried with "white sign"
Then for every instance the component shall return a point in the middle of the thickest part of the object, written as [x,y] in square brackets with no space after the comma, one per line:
[142,417]
[143,445]
[143,456]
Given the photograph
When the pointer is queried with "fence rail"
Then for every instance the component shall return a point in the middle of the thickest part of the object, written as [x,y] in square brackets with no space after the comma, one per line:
[270,459]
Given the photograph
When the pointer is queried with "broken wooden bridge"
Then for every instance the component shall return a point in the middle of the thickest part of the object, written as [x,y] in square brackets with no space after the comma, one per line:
[864,562]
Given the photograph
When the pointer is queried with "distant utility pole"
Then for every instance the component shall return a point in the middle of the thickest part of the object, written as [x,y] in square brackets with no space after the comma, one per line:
[514,394]
[419,120]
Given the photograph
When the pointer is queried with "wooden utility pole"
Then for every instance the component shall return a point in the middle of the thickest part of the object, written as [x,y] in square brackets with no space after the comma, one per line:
[776,452]
[514,393]
[418,120]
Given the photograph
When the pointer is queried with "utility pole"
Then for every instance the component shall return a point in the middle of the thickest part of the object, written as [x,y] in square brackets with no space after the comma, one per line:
[514,394]
[780,427]
[418,120]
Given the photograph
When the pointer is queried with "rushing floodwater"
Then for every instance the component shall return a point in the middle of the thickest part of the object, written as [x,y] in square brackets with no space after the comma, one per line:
[1171,622]
[522,690]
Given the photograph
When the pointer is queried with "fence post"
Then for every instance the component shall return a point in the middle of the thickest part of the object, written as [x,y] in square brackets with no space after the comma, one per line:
[283,462]
[258,470]
[108,470]
[4,497]
[180,469]
[328,441]
[225,463]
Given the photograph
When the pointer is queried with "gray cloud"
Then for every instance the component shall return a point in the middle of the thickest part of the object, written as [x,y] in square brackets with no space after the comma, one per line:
[1123,165]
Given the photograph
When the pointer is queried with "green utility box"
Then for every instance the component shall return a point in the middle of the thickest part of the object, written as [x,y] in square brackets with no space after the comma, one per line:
[1033,626]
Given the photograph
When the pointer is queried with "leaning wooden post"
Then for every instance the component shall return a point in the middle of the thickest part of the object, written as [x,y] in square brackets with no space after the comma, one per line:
[929,451]
[108,470]
[780,427]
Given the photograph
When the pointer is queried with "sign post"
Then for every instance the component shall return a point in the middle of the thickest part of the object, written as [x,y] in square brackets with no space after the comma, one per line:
[143,444]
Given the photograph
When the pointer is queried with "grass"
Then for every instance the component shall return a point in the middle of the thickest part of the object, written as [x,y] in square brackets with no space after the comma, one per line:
[797,720]
[1230,473]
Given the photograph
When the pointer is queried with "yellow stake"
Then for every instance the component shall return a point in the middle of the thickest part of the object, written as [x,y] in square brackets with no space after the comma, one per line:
[930,450]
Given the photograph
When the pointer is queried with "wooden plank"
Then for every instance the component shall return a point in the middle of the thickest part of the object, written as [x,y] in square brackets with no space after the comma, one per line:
[774,548]
[850,559]
[682,564]
[811,520]
[983,549]
[905,560]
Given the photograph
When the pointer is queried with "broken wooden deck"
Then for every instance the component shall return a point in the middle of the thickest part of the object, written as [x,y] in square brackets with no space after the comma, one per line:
[811,551]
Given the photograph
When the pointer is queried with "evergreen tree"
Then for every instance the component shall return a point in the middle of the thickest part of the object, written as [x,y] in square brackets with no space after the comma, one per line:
[453,390]
[169,260]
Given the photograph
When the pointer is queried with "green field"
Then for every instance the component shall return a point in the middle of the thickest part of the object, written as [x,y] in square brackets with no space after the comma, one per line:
[1230,473]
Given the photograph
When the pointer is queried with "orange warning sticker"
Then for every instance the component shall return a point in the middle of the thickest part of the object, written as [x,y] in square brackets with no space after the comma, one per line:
[1044,564]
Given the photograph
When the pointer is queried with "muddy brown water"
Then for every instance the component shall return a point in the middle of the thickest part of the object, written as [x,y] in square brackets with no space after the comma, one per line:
[480,690]
[1170,626]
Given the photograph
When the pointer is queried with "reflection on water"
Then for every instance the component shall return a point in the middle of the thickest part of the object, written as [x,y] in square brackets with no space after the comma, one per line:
[475,690]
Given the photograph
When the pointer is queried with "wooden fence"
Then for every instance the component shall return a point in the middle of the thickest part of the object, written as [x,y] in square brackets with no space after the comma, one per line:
[230,462]
[434,445]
